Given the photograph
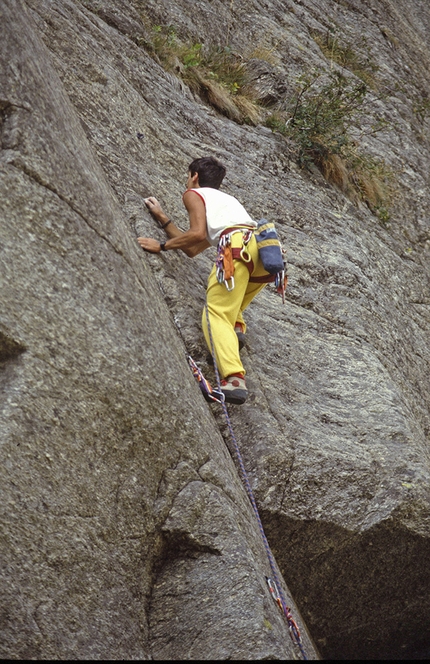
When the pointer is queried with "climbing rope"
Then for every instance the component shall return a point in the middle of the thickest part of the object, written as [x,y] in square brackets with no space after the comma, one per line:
[211,394]
[274,584]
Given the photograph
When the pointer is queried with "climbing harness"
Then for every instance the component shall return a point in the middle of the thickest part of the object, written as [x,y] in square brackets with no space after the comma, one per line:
[281,278]
[273,584]
[226,254]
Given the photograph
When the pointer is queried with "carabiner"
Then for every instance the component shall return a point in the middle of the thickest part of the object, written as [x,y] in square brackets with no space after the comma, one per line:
[245,255]
[273,589]
[231,280]
[220,275]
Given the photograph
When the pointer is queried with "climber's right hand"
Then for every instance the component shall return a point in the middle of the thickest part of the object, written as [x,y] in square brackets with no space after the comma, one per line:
[154,207]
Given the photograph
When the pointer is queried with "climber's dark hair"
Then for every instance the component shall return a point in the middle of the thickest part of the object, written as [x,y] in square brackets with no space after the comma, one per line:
[210,171]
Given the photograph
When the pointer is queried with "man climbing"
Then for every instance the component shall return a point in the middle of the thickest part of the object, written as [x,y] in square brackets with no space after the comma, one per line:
[217,219]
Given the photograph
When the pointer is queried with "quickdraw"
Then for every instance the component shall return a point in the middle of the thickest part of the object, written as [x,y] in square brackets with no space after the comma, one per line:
[209,393]
[224,262]
[292,625]
[281,279]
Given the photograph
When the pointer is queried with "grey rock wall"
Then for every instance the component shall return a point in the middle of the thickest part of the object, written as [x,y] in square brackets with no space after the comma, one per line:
[126,531]
[118,492]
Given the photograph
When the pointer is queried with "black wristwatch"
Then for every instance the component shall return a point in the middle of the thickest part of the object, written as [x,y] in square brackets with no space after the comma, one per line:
[163,246]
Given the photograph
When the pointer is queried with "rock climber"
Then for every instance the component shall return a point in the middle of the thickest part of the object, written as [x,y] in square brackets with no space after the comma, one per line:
[213,215]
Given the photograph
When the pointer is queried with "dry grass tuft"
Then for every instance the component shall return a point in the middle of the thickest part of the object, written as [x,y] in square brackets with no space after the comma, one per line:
[250,111]
[335,170]
[216,75]
[361,178]
[375,182]
[221,99]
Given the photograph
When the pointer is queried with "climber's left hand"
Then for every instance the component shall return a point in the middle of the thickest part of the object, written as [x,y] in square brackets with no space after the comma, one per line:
[149,244]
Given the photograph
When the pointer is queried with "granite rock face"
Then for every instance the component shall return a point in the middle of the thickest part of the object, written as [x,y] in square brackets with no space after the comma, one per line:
[126,532]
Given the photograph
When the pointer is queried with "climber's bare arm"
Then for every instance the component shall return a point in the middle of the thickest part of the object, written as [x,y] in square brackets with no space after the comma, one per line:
[193,241]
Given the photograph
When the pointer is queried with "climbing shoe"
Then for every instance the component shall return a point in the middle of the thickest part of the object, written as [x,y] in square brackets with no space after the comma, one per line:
[238,328]
[234,389]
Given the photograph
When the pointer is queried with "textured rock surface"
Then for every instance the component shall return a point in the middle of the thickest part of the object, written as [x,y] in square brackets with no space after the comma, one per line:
[126,531]
[117,488]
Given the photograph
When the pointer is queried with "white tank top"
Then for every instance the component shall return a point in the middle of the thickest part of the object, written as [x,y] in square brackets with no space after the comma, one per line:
[222,211]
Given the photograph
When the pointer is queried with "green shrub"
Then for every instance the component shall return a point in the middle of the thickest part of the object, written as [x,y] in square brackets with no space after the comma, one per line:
[319,118]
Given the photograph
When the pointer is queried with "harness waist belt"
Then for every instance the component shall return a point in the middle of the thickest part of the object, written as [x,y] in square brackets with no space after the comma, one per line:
[232,229]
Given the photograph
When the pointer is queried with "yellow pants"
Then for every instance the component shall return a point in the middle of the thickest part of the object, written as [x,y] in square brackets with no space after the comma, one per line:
[226,307]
